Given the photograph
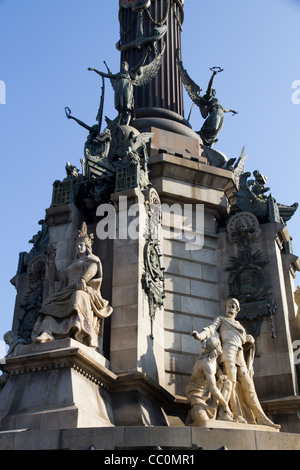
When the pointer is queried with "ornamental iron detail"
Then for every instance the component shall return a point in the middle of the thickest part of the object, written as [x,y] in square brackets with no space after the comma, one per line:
[248,279]
[153,277]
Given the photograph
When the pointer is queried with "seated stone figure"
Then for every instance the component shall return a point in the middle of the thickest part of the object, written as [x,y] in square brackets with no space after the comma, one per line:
[76,309]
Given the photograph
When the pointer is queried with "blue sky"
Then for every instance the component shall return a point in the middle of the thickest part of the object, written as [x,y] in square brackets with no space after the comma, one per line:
[45,50]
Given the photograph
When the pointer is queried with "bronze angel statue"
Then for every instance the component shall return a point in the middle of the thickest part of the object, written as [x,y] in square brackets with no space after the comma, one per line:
[124,82]
[210,107]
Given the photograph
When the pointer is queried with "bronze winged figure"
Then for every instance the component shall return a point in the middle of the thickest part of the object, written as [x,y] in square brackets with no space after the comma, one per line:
[124,82]
[210,107]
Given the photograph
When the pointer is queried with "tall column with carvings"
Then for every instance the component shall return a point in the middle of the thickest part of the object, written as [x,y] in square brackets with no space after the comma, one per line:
[165,16]
[160,102]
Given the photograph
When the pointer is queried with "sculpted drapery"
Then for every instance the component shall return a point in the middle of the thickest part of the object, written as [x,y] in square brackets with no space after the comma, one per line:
[222,384]
[76,309]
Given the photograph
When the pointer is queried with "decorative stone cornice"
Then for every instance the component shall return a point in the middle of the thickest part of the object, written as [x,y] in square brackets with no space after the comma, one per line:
[69,354]
[285,405]
[196,182]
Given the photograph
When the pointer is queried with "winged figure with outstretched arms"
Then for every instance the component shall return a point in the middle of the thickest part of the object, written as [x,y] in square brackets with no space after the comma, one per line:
[124,82]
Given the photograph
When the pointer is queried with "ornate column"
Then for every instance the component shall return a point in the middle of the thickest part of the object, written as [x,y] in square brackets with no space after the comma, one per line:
[141,22]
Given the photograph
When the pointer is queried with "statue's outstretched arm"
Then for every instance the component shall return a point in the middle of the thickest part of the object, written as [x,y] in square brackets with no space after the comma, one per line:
[102,74]
[199,336]
[210,83]
[81,123]
[230,111]
[207,331]
[214,70]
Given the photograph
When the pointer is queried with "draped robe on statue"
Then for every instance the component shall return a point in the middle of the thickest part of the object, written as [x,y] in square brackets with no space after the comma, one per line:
[75,310]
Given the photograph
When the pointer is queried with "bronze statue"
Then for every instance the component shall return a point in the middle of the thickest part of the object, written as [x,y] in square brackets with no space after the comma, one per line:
[210,107]
[139,7]
[124,82]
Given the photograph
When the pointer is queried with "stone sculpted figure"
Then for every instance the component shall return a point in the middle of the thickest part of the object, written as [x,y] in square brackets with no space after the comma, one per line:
[124,82]
[208,386]
[76,309]
[236,361]
[210,107]
[258,185]
[251,197]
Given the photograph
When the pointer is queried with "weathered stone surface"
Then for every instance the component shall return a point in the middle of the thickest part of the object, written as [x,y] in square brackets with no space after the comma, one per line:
[175,144]
[49,384]
[129,438]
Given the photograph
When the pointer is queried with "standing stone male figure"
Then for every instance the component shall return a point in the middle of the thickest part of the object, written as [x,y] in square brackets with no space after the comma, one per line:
[235,341]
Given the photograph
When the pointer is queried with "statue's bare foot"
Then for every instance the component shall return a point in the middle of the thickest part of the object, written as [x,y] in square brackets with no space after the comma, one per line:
[225,416]
[45,337]
[240,419]
[264,421]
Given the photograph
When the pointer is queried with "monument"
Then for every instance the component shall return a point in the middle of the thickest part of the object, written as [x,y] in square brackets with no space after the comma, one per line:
[139,254]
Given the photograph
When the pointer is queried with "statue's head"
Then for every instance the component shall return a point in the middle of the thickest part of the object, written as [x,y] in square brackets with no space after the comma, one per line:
[213,91]
[94,131]
[212,343]
[212,346]
[81,248]
[259,177]
[84,241]
[232,308]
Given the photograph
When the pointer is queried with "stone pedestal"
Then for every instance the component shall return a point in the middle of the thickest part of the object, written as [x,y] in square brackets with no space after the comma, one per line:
[56,385]
[132,438]
[219,424]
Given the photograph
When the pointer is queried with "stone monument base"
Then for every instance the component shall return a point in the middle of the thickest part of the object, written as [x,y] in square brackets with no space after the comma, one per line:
[219,424]
[62,395]
[132,438]
[64,384]
[55,385]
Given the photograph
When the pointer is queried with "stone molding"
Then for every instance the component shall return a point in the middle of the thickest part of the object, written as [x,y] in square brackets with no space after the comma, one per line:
[148,438]
[285,405]
[68,353]
[90,364]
